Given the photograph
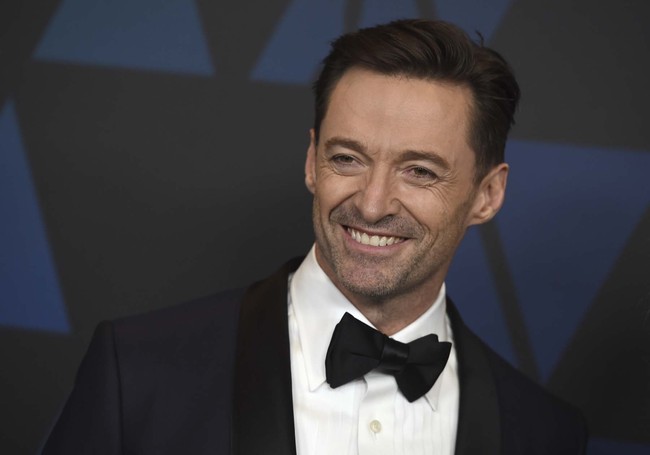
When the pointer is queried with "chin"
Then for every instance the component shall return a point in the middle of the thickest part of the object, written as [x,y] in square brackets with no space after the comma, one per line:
[371,285]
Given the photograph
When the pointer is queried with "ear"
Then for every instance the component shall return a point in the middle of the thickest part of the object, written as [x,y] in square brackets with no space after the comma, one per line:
[489,195]
[310,163]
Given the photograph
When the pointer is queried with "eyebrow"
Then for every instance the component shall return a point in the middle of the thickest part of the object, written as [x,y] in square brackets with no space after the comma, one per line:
[350,144]
[433,157]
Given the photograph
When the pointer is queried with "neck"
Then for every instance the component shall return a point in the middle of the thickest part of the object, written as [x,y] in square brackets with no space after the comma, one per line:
[391,314]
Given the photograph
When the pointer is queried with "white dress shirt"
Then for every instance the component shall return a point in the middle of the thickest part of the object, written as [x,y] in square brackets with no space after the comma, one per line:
[369,415]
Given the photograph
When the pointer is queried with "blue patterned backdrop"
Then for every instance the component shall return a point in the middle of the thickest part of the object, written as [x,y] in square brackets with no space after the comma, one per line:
[151,152]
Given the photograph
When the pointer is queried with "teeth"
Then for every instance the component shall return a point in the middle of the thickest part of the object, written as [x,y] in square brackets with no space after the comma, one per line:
[373,240]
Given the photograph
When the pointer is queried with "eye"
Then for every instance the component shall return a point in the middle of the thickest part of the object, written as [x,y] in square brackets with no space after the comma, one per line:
[343,159]
[345,164]
[421,174]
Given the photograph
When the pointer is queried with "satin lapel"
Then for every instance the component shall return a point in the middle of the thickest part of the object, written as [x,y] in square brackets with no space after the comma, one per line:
[479,426]
[263,409]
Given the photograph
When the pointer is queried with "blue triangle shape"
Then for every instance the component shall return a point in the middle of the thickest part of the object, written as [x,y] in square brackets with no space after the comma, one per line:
[471,287]
[30,296]
[301,39]
[569,211]
[143,34]
[474,15]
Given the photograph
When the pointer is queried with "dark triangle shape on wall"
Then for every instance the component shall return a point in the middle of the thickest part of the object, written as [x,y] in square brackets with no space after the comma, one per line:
[471,286]
[287,59]
[568,213]
[606,368]
[474,15]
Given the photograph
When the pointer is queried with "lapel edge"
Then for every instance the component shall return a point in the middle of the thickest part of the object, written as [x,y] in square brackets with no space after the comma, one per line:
[479,421]
[262,414]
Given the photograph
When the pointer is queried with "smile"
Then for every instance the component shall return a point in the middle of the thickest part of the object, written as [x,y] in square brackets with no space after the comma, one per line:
[373,240]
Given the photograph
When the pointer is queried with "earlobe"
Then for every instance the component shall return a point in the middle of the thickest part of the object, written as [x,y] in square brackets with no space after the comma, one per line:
[490,195]
[310,163]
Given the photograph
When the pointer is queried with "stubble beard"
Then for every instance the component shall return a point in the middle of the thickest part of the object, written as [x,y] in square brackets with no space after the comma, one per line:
[375,279]
[370,279]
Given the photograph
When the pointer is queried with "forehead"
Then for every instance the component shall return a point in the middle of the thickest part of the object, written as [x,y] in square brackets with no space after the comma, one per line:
[399,112]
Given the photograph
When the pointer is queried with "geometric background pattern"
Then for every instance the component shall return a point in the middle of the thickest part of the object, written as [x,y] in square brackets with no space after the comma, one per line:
[30,289]
[147,34]
[569,214]
[149,150]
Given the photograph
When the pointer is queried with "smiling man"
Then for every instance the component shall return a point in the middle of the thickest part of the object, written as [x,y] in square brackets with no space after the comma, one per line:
[356,349]
[393,177]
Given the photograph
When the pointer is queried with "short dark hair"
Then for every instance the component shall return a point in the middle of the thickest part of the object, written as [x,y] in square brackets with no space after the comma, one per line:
[431,50]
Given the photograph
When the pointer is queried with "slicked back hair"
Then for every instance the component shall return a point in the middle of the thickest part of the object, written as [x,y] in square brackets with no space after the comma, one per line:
[436,51]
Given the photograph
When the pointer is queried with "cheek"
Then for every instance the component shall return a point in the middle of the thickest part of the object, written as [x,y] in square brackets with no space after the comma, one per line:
[325,200]
[424,205]
[437,217]
[332,190]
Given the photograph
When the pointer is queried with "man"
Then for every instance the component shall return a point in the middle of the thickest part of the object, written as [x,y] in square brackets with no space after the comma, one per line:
[406,153]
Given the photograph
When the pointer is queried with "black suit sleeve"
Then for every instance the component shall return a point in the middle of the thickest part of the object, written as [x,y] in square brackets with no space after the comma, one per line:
[91,421]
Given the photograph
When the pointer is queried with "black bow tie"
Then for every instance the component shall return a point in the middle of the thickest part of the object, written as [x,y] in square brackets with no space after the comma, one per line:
[356,349]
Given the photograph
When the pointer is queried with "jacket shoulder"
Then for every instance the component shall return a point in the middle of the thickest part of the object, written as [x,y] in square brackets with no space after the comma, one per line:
[534,421]
[525,417]
[161,346]
[182,320]
[178,361]
[159,382]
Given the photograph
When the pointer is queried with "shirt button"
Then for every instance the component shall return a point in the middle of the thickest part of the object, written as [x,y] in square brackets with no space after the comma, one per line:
[375,426]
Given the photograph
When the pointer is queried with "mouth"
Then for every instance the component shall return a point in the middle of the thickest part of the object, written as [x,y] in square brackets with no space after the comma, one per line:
[365,238]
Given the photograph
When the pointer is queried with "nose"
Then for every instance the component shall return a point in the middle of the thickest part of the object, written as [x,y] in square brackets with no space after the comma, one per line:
[377,198]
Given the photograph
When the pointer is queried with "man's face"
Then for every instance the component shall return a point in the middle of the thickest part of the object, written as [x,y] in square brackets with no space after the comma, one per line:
[392,178]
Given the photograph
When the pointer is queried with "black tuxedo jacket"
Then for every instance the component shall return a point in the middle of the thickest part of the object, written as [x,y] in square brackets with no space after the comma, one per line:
[162,383]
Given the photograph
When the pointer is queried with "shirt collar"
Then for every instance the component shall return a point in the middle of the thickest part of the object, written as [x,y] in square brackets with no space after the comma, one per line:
[318,306]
